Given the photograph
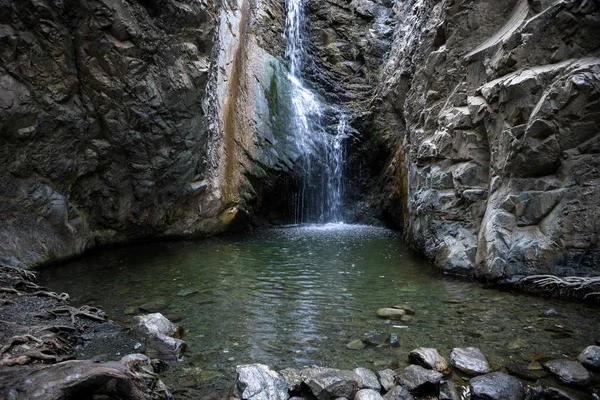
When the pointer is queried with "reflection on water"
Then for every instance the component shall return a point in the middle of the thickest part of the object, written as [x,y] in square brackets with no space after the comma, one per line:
[296,296]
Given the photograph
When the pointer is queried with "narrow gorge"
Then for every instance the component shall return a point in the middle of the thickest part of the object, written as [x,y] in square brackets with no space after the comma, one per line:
[269,173]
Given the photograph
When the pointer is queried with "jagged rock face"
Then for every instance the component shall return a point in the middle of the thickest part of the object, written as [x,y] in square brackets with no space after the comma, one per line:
[111,116]
[491,111]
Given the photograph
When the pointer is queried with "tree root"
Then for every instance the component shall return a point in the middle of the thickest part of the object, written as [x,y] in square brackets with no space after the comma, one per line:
[60,297]
[15,340]
[570,282]
[92,313]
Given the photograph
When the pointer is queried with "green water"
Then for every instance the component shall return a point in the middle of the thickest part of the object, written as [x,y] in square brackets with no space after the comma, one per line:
[295,296]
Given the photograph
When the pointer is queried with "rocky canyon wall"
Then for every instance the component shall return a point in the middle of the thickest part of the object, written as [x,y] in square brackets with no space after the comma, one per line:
[490,111]
[129,119]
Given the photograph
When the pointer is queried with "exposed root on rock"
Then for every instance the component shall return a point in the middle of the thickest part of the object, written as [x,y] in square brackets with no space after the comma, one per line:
[92,313]
[574,283]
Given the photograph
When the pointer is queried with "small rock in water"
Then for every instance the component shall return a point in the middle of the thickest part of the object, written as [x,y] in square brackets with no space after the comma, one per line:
[356,345]
[407,309]
[550,313]
[367,394]
[496,386]
[174,317]
[569,372]
[406,318]
[420,381]
[369,378]
[131,311]
[154,306]
[470,360]
[394,341]
[590,358]
[375,338]
[429,358]
[517,344]
[390,313]
[187,292]
[523,371]
[387,379]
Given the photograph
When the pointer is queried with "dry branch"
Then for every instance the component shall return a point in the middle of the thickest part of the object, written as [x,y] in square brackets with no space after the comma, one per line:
[569,282]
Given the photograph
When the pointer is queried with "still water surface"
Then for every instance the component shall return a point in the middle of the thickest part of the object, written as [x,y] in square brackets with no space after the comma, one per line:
[296,296]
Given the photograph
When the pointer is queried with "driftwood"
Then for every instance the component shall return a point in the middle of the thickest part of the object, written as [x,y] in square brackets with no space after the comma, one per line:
[575,283]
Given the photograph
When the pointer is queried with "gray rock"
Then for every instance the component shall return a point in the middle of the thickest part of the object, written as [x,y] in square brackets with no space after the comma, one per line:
[553,393]
[367,394]
[369,379]
[569,372]
[448,391]
[429,358]
[356,345]
[328,383]
[292,377]
[390,313]
[420,381]
[398,393]
[590,358]
[375,338]
[387,379]
[394,340]
[155,331]
[259,382]
[470,360]
[187,292]
[522,371]
[496,386]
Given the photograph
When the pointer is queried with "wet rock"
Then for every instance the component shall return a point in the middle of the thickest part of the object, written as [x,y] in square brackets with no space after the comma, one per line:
[154,306]
[429,358]
[398,393]
[553,393]
[408,310]
[356,345]
[387,379]
[367,394]
[496,386]
[375,338]
[569,372]
[259,382]
[327,383]
[156,333]
[522,371]
[448,391]
[131,310]
[369,379]
[590,358]
[550,313]
[420,381]
[187,292]
[292,377]
[470,360]
[394,340]
[390,313]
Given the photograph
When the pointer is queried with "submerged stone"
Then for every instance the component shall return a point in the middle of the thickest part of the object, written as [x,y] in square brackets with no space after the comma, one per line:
[187,292]
[523,371]
[590,358]
[376,338]
[390,313]
[569,372]
[154,306]
[356,345]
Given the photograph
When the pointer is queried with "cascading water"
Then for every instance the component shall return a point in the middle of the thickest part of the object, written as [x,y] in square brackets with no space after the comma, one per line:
[321,148]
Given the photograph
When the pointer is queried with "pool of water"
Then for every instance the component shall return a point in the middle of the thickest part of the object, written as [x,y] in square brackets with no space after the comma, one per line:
[296,296]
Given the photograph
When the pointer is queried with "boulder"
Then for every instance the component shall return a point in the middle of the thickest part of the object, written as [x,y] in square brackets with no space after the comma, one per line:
[430,359]
[590,358]
[154,331]
[259,382]
[328,383]
[387,379]
[470,360]
[369,379]
[367,394]
[496,386]
[420,381]
[569,372]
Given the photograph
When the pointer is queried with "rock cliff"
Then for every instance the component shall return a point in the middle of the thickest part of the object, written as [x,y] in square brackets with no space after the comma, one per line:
[117,120]
[491,114]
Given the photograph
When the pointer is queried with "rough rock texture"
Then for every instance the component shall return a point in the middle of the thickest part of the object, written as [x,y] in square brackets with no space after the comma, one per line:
[419,380]
[328,383]
[590,358]
[258,382]
[369,379]
[470,360]
[117,120]
[157,332]
[429,358]
[569,372]
[496,386]
[490,113]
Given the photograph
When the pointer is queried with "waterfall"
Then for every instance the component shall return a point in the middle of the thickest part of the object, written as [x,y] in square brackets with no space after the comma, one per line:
[321,146]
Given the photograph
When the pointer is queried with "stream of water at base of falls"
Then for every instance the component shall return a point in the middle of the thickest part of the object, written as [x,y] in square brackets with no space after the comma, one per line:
[297,296]
[320,145]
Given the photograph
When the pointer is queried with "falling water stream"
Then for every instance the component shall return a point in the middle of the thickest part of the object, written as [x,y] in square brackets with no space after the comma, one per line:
[321,149]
